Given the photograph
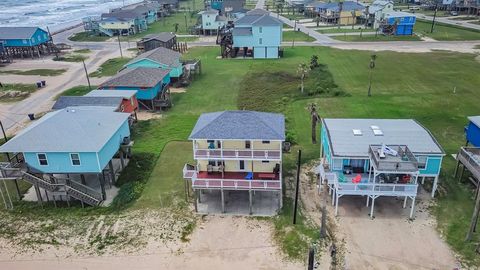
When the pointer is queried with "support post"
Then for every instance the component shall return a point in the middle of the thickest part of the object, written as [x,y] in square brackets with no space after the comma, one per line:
[196,200]
[39,195]
[368,200]
[250,201]
[223,201]
[434,188]
[102,185]
[413,208]
[373,206]
[456,168]
[336,204]
[112,171]
[122,160]
[474,217]
[82,179]
[297,187]
[405,202]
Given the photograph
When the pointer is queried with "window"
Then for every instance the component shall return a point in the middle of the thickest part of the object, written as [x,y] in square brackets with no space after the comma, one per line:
[248,144]
[265,161]
[337,164]
[422,162]
[24,41]
[242,165]
[75,158]
[265,142]
[212,162]
[260,41]
[42,159]
[260,29]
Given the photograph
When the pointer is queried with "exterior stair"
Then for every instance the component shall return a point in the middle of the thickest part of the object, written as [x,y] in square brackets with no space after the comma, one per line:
[105,31]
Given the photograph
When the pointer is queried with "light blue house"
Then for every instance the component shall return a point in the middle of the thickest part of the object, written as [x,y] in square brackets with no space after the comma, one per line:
[472,131]
[260,32]
[23,36]
[162,58]
[398,23]
[378,157]
[150,83]
[211,21]
[64,144]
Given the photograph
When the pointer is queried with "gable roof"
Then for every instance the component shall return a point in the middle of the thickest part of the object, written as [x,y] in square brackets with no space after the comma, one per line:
[75,101]
[121,15]
[239,125]
[475,120]
[258,17]
[163,37]
[79,129]
[160,55]
[137,77]
[18,32]
[408,132]
[335,6]
[209,11]
[124,94]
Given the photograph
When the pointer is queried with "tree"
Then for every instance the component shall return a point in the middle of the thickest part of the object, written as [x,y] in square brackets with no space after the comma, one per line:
[371,66]
[176,27]
[317,20]
[315,120]
[302,70]
[314,62]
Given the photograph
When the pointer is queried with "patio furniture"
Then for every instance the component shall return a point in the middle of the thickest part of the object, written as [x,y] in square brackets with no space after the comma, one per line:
[357,179]
[341,178]
[249,176]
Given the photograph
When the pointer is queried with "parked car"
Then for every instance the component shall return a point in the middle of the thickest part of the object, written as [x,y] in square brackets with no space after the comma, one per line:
[454,13]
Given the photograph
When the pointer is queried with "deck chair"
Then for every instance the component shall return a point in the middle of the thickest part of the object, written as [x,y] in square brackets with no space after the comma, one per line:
[357,179]
[341,178]
[249,176]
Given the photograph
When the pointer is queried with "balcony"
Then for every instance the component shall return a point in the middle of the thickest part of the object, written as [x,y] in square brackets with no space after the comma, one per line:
[470,158]
[403,162]
[235,154]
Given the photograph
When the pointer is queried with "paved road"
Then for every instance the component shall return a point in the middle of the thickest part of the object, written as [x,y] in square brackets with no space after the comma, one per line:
[447,21]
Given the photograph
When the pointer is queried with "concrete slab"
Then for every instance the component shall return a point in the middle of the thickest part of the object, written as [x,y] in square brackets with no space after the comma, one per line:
[265,203]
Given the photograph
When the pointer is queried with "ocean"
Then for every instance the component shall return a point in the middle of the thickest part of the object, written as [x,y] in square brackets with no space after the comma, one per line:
[54,14]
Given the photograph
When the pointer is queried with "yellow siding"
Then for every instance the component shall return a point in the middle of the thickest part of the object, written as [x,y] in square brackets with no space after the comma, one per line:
[117,25]
[347,19]
[273,145]
[240,144]
[258,166]
[234,144]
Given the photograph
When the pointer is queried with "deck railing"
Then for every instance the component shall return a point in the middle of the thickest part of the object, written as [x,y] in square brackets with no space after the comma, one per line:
[189,171]
[396,164]
[237,153]
[466,156]
[236,184]
[376,189]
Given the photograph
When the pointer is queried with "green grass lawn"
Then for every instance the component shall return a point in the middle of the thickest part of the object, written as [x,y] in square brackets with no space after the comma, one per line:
[431,12]
[40,72]
[84,37]
[379,37]
[76,91]
[445,32]
[71,57]
[16,92]
[82,51]
[298,36]
[110,67]
[344,30]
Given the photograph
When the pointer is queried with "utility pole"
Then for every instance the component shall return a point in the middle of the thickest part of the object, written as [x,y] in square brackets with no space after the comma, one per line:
[86,74]
[434,16]
[297,187]
[294,33]
[5,139]
[186,25]
[120,46]
[372,66]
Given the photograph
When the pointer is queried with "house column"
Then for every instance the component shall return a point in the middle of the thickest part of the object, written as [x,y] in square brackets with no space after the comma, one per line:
[112,171]
[405,202]
[373,206]
[101,180]
[223,200]
[413,208]
[196,200]
[336,204]
[82,179]
[250,201]
[122,160]
[434,188]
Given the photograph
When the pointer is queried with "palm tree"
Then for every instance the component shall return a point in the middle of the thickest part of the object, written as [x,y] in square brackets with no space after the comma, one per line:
[302,70]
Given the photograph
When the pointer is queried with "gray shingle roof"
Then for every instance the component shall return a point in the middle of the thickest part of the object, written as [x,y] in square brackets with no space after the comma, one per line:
[395,132]
[263,19]
[79,129]
[239,125]
[137,77]
[17,32]
[160,55]
[475,120]
[121,15]
[163,36]
[124,94]
[73,101]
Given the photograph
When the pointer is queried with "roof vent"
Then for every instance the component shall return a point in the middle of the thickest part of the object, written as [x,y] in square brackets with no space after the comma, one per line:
[357,132]
[376,131]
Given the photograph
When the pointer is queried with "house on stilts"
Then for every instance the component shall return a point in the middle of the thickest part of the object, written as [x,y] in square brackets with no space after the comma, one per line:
[161,58]
[468,158]
[238,162]
[70,154]
[377,157]
[151,84]
[25,42]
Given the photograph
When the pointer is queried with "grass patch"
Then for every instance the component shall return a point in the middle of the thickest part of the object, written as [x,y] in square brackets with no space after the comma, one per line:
[87,37]
[76,91]
[71,58]
[39,72]
[110,67]
[16,92]
[298,36]
[343,30]
[445,31]
[82,51]
[187,39]
[379,37]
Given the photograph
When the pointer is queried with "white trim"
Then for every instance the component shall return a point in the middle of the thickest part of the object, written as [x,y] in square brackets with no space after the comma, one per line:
[71,159]
[46,159]
[98,162]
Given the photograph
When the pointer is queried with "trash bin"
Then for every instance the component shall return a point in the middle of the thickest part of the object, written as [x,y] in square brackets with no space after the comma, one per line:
[39,84]
[43,83]
[31,116]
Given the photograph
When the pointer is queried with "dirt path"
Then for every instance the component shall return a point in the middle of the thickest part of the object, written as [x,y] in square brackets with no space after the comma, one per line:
[390,240]
[233,243]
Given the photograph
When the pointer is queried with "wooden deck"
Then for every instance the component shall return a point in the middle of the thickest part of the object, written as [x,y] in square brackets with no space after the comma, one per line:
[237,154]
[470,158]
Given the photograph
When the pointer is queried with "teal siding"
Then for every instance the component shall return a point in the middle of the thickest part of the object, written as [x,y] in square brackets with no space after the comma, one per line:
[39,37]
[325,145]
[174,73]
[112,146]
[434,165]
[61,163]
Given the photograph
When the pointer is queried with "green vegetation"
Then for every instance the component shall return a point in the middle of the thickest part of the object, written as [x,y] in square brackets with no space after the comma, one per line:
[344,30]
[16,92]
[298,36]
[167,24]
[87,37]
[71,58]
[403,87]
[187,39]
[40,72]
[464,18]
[76,91]
[445,31]
[110,67]
[379,37]
[431,12]
[82,51]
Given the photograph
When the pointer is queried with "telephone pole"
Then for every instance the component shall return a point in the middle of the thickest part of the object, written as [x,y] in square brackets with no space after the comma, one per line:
[86,74]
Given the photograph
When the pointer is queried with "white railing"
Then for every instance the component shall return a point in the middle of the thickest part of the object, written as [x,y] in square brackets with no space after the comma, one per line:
[189,171]
[236,184]
[376,189]
[466,156]
[237,154]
